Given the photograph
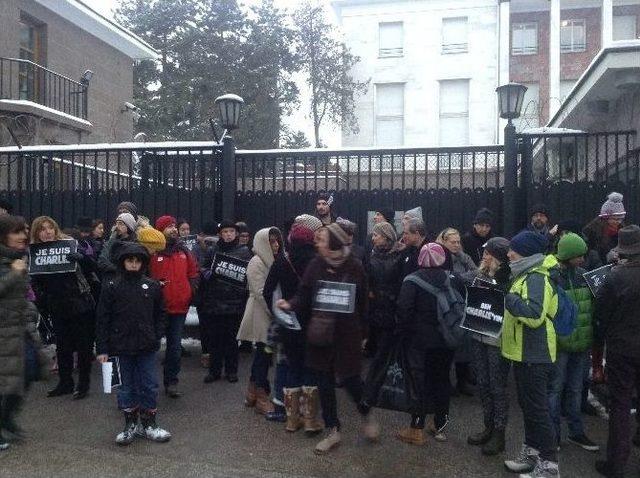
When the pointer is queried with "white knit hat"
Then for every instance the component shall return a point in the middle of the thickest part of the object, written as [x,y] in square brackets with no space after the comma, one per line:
[309,221]
[613,206]
[128,220]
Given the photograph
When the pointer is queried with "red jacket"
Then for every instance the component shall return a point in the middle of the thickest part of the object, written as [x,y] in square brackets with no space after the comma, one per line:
[175,269]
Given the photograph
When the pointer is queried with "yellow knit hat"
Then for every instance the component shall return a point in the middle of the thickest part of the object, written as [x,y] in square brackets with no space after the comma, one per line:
[152,239]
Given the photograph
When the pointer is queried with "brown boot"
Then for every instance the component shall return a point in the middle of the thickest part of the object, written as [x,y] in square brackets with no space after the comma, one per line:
[263,403]
[413,436]
[310,406]
[292,407]
[251,396]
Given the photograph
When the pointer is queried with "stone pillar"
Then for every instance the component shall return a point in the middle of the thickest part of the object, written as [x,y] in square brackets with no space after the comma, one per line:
[607,23]
[554,57]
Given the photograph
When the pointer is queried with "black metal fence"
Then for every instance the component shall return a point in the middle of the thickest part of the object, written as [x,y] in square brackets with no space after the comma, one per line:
[25,80]
[572,173]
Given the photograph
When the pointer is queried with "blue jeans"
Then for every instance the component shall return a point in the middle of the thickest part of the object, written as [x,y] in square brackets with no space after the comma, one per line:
[280,381]
[139,387]
[260,368]
[568,380]
[175,326]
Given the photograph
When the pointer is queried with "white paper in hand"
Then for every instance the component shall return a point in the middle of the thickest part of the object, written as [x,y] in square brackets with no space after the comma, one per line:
[107,371]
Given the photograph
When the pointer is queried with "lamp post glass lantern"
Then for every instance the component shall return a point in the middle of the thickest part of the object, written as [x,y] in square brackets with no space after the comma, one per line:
[510,99]
[230,107]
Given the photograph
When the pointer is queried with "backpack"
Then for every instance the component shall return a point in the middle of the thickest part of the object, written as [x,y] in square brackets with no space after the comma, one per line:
[566,318]
[451,309]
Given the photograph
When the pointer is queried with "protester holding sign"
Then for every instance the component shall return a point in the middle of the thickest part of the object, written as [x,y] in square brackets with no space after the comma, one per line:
[17,318]
[573,350]
[66,298]
[130,324]
[429,355]
[300,384]
[223,296]
[617,314]
[529,341]
[176,270]
[257,317]
[491,369]
[334,281]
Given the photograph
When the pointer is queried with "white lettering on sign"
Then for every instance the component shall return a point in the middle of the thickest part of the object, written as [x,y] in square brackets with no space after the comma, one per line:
[333,296]
[484,306]
[485,314]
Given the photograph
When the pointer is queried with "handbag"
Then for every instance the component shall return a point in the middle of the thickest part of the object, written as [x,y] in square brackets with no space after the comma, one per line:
[321,329]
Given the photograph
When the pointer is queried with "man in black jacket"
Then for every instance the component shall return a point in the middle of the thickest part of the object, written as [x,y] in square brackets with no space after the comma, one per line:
[473,241]
[130,324]
[617,316]
[222,303]
[414,236]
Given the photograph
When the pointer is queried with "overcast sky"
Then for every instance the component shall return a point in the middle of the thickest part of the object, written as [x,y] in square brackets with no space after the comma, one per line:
[300,119]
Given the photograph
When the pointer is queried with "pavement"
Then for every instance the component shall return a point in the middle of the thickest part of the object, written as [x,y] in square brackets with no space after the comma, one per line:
[214,435]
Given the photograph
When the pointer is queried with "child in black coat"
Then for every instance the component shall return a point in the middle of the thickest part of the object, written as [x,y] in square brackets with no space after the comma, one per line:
[130,324]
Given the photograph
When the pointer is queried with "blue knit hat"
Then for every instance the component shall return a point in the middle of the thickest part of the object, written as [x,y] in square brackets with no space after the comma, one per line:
[528,243]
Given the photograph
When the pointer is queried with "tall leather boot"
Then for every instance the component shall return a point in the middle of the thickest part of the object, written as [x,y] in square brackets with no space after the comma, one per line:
[310,406]
[292,408]
[263,403]
[10,408]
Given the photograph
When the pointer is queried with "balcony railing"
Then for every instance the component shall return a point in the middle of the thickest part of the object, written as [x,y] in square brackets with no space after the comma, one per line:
[25,80]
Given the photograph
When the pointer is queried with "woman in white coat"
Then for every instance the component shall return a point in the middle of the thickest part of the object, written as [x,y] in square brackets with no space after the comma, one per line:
[255,324]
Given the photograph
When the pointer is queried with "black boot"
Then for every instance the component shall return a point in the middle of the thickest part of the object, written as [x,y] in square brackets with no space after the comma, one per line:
[3,443]
[150,430]
[480,438]
[10,408]
[63,388]
[495,444]
[127,435]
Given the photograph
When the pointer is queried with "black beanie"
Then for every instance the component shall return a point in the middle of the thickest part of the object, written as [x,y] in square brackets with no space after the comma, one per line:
[484,216]
[388,213]
[539,208]
[226,223]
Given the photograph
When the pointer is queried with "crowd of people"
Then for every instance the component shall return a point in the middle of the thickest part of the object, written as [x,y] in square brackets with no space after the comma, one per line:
[135,282]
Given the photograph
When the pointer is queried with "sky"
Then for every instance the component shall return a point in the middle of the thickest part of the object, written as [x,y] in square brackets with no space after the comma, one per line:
[300,119]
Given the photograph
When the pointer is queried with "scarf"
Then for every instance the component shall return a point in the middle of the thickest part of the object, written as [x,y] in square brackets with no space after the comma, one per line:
[521,266]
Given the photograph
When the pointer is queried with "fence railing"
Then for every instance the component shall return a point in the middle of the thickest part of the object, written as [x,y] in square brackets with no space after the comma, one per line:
[25,80]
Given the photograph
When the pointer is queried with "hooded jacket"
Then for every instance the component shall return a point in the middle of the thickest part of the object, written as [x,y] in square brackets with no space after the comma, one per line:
[528,334]
[176,269]
[257,316]
[384,271]
[130,318]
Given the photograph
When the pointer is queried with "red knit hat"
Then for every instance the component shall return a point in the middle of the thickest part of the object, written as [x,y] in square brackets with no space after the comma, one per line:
[300,234]
[164,222]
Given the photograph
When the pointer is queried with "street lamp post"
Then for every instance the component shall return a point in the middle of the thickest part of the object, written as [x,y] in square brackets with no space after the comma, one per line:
[229,107]
[510,99]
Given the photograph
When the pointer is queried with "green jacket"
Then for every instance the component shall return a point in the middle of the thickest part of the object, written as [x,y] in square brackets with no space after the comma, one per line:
[528,334]
[572,281]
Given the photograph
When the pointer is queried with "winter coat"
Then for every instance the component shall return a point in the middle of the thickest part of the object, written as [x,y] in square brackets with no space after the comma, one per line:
[107,257]
[599,240]
[410,258]
[177,271]
[574,284]
[257,316]
[417,310]
[473,245]
[63,296]
[344,356]
[384,272]
[462,263]
[617,310]
[218,297]
[18,317]
[130,319]
[528,334]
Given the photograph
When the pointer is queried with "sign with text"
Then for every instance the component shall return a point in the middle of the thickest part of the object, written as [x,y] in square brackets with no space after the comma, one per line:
[337,297]
[52,257]
[596,277]
[230,269]
[485,311]
[190,242]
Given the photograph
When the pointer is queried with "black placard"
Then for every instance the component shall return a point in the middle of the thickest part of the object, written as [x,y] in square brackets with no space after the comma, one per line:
[485,311]
[230,269]
[595,278]
[52,257]
[190,242]
[337,297]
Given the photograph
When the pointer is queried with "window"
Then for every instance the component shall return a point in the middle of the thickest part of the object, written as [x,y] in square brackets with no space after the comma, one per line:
[572,36]
[565,88]
[625,27]
[524,39]
[32,49]
[454,112]
[530,114]
[391,39]
[454,35]
[390,114]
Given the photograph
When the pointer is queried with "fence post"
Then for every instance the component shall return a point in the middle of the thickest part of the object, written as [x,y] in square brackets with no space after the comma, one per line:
[510,196]
[228,178]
